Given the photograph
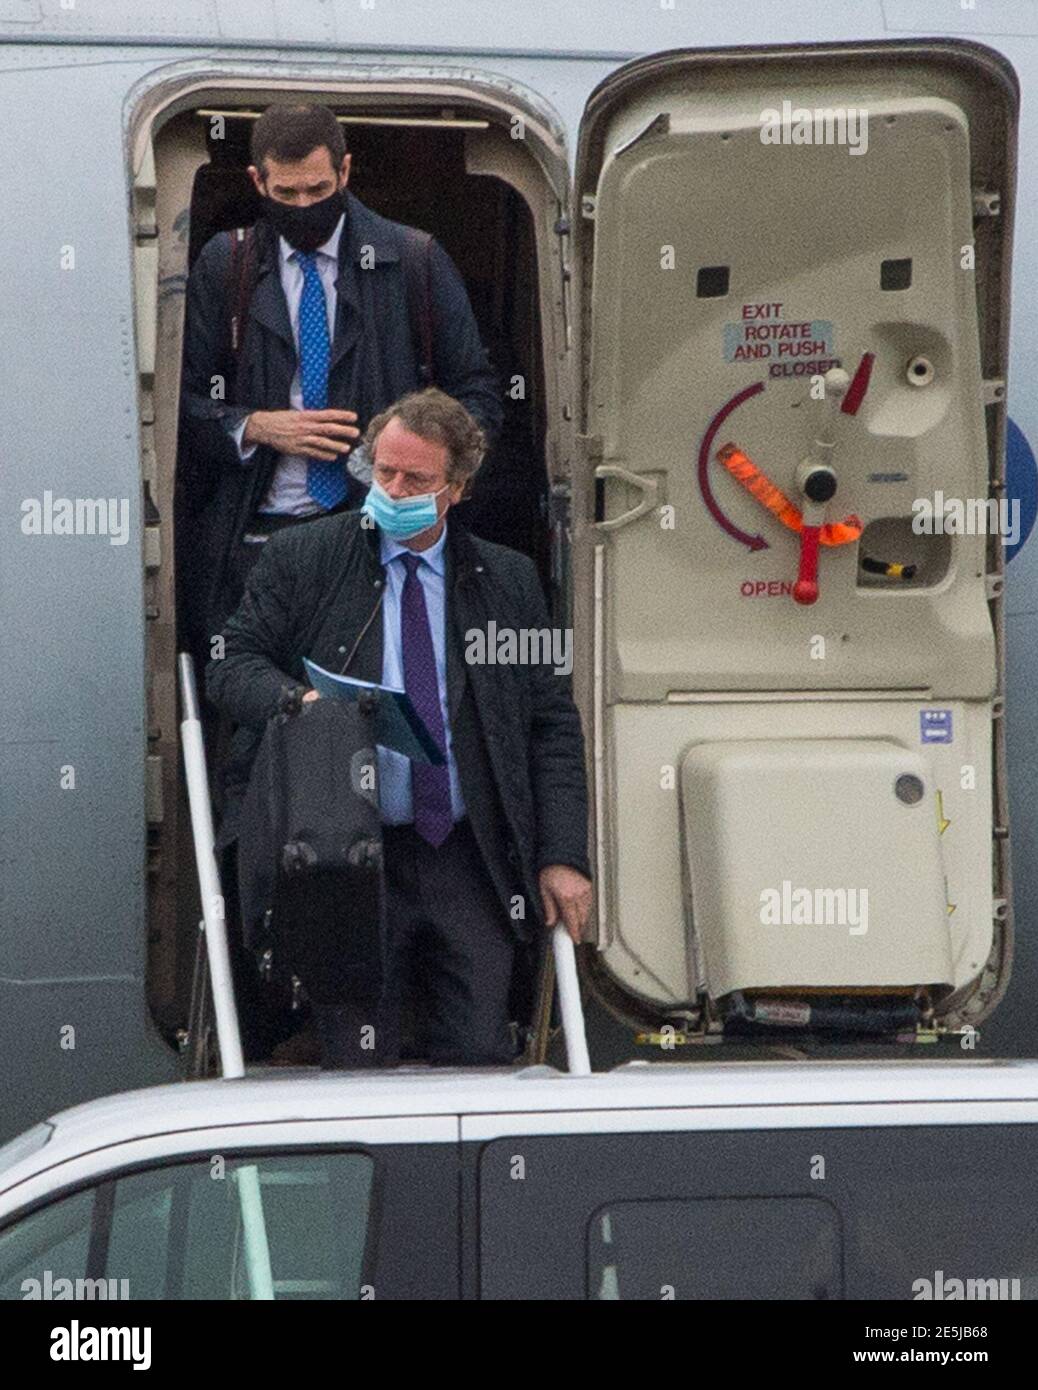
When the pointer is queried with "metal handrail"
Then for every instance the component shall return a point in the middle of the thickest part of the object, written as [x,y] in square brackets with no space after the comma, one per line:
[228,1034]
[568,985]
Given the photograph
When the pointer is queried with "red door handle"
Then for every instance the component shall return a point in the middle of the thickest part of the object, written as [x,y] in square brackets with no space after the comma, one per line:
[805,590]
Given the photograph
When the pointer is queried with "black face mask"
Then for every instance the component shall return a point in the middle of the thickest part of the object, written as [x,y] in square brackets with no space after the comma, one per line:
[305,228]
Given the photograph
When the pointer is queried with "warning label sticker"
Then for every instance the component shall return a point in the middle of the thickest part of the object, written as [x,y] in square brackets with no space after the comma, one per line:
[765,334]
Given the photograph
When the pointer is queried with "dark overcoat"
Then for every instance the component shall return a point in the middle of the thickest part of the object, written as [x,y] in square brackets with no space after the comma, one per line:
[374,361]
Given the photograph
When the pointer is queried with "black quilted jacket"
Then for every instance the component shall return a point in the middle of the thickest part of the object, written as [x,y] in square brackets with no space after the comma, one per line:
[516,731]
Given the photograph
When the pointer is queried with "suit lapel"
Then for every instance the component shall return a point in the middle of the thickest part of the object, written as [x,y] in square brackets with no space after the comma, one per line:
[270,308]
[347,309]
[363,247]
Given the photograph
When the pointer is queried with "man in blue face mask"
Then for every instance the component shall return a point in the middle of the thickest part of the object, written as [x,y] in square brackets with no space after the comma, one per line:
[480,854]
[393,505]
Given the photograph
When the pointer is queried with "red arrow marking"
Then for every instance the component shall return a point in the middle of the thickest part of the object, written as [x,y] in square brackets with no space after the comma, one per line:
[859,385]
[751,542]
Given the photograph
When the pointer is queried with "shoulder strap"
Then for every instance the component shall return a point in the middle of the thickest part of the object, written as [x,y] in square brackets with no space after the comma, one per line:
[417,278]
[240,283]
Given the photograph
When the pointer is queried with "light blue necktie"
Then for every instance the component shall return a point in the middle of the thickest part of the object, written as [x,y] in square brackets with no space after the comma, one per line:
[325,482]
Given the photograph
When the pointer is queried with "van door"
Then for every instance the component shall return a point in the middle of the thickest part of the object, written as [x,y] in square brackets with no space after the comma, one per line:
[789,527]
[660,1205]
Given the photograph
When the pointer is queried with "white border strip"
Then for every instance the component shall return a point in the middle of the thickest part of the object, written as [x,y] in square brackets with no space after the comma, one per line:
[763,1117]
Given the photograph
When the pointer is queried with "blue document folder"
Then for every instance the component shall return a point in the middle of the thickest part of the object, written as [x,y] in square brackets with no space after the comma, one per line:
[398,726]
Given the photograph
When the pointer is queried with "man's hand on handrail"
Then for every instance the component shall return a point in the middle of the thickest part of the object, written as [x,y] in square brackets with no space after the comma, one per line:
[566,896]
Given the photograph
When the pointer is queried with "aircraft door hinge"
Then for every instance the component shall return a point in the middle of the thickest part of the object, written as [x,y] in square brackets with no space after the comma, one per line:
[153,789]
[144,185]
[987,202]
[560,534]
[148,460]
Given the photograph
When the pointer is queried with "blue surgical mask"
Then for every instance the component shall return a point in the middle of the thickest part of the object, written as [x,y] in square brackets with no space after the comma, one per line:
[401,517]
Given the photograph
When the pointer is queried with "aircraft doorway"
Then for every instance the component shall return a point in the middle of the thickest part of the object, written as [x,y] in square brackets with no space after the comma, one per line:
[451,170]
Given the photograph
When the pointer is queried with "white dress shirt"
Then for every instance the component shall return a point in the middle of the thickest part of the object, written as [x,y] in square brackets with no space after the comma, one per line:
[288,493]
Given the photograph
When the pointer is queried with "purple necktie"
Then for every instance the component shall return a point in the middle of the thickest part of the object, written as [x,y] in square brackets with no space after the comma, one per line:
[431,785]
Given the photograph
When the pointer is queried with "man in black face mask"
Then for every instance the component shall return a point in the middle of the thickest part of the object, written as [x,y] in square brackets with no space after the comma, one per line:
[297,333]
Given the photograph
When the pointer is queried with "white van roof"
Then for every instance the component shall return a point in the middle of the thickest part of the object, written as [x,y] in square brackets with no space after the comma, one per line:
[278,1096]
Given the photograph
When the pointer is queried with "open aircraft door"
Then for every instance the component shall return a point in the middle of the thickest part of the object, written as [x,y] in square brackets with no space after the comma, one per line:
[793,272]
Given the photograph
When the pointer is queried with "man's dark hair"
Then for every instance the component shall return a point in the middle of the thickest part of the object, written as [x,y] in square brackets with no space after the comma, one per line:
[290,133]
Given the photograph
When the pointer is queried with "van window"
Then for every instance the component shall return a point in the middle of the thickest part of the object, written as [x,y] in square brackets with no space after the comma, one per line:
[51,1245]
[742,1247]
[295,1225]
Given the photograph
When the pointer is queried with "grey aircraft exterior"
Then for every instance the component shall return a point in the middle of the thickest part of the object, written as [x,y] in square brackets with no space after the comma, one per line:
[125,126]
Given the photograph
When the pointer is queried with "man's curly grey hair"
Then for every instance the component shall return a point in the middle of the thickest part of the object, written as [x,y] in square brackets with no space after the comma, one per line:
[432,414]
